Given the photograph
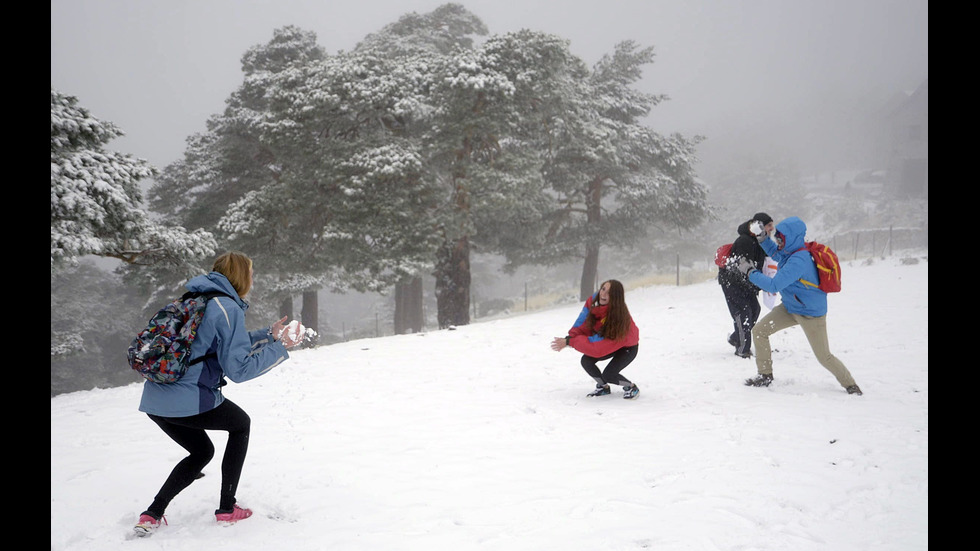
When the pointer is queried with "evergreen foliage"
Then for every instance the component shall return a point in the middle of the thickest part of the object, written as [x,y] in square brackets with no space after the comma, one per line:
[94,316]
[96,201]
[364,169]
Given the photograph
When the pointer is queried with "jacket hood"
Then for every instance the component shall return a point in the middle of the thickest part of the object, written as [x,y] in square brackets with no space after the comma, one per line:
[743,229]
[214,281]
[794,231]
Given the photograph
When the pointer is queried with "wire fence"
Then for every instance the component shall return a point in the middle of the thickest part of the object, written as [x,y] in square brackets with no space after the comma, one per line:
[849,246]
[878,242]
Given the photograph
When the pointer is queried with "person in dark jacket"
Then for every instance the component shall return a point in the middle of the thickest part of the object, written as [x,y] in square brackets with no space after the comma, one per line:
[194,404]
[604,330]
[803,303]
[741,295]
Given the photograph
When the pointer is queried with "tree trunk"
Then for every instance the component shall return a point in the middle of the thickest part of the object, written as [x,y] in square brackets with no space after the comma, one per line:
[409,316]
[593,211]
[453,283]
[590,271]
[286,307]
[311,308]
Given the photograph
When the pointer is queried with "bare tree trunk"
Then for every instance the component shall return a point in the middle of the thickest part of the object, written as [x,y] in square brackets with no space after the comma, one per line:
[590,271]
[286,307]
[311,310]
[453,257]
[408,306]
[590,267]
[453,283]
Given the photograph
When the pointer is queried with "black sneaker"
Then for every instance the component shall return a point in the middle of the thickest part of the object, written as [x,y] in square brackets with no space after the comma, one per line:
[854,389]
[732,340]
[599,391]
[763,379]
[746,354]
[630,392]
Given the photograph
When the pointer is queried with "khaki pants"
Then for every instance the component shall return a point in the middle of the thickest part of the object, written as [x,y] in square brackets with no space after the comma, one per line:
[815,329]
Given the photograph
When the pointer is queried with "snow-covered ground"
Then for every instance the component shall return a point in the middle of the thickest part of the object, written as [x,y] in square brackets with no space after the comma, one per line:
[482,438]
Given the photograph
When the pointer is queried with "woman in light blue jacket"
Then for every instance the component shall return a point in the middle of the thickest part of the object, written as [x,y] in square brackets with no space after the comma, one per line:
[185,409]
[803,305]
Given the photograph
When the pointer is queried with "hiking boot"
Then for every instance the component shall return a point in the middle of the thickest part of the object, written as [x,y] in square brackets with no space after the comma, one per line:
[235,514]
[600,390]
[630,392]
[854,389]
[746,354]
[763,379]
[147,524]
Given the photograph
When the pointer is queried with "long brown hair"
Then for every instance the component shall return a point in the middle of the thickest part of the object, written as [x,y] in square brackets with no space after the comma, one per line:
[237,267]
[617,323]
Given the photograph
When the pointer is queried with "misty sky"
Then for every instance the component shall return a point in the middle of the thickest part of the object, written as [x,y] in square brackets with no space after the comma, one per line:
[761,74]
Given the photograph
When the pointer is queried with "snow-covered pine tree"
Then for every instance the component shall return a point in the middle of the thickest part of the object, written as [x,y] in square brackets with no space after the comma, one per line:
[96,201]
[612,176]
[234,161]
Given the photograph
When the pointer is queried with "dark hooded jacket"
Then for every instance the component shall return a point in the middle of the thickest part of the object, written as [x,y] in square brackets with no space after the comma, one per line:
[744,246]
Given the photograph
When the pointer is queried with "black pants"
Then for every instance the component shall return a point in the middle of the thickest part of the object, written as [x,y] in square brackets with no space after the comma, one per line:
[744,308]
[620,359]
[189,433]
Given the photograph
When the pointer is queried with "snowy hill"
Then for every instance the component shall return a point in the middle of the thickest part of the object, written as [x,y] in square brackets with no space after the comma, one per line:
[482,438]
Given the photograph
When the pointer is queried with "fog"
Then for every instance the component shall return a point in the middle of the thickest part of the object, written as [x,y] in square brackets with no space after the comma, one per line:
[785,77]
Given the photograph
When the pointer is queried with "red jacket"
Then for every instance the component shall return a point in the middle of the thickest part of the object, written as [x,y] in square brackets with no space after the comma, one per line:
[588,341]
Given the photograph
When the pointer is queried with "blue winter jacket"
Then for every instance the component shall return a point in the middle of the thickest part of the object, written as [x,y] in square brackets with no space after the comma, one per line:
[240,355]
[793,264]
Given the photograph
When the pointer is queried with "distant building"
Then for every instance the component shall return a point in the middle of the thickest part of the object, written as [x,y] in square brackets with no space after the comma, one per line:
[906,124]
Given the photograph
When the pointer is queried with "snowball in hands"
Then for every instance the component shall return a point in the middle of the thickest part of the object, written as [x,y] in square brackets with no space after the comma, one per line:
[295,331]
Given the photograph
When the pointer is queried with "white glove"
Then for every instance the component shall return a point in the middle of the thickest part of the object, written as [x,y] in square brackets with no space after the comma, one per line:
[745,266]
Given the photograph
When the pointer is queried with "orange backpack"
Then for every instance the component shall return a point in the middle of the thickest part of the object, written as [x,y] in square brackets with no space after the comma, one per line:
[828,267]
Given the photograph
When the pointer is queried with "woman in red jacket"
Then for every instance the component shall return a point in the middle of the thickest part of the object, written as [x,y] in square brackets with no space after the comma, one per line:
[605,330]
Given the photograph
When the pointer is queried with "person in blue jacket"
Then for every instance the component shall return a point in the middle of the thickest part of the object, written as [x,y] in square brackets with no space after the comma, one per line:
[803,305]
[185,409]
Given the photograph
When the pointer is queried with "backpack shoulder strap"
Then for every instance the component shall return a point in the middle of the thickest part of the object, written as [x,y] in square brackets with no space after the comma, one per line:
[207,296]
[801,280]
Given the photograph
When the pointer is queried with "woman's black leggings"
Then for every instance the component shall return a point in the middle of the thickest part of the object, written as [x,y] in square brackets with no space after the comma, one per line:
[620,359]
[189,433]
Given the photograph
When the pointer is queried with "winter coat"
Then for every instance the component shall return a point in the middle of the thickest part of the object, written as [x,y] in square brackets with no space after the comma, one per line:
[236,353]
[793,264]
[744,246]
[588,341]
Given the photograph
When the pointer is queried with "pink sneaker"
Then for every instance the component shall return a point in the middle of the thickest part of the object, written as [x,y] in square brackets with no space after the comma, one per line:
[146,525]
[236,514]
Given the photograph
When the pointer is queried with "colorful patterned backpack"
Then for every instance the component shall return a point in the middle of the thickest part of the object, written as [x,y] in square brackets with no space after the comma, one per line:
[161,351]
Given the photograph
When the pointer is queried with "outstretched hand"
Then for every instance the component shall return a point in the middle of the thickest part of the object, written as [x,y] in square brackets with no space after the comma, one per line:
[558,343]
[278,327]
[280,331]
[288,341]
